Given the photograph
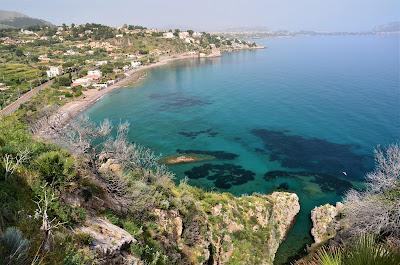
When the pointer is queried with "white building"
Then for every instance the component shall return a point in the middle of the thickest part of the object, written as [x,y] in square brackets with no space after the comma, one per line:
[110,82]
[189,40]
[196,35]
[84,82]
[54,71]
[135,64]
[70,52]
[43,58]
[94,74]
[3,87]
[100,63]
[27,32]
[168,35]
[100,86]
[183,35]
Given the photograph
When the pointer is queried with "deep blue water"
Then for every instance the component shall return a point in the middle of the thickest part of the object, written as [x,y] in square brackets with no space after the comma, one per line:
[310,108]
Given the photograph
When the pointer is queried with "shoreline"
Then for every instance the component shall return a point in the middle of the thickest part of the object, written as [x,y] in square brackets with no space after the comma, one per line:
[91,96]
[75,107]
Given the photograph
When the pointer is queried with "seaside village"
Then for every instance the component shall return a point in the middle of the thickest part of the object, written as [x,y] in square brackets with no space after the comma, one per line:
[94,56]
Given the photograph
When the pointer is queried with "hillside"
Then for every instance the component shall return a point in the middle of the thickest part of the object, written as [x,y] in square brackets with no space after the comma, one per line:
[389,27]
[11,19]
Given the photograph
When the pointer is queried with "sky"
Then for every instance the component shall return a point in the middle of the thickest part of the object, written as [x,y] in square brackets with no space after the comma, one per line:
[319,15]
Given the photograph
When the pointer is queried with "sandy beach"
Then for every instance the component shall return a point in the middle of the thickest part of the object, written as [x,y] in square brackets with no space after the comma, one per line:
[73,108]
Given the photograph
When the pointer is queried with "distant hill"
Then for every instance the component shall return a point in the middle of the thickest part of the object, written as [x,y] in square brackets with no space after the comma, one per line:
[390,27]
[11,19]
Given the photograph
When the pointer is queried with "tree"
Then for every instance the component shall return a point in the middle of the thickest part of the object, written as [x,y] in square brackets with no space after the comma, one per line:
[190,32]
[64,80]
[176,32]
[19,52]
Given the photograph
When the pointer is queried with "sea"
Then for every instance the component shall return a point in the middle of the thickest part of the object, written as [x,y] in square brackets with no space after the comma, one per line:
[303,115]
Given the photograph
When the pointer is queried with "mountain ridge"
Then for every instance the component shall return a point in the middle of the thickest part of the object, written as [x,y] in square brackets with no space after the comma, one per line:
[13,19]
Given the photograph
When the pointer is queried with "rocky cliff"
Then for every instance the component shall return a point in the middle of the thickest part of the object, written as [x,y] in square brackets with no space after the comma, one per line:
[217,228]
[325,221]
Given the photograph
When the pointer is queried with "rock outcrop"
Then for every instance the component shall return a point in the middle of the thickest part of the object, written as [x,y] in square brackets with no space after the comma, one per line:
[109,242]
[229,230]
[325,222]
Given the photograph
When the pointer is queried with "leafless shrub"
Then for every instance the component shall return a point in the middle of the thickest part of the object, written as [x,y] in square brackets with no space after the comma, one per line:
[377,209]
[11,163]
[48,226]
[387,173]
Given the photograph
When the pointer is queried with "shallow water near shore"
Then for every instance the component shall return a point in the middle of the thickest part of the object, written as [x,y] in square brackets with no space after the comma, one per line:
[303,115]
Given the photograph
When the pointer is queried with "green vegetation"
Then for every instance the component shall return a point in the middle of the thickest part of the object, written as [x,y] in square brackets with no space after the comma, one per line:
[26,56]
[363,251]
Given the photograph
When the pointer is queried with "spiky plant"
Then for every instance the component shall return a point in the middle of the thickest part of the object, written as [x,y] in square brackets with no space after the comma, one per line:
[328,256]
[363,251]
[332,256]
[366,251]
[14,248]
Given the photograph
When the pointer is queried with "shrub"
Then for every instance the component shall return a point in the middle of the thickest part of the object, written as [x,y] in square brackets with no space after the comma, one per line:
[377,209]
[363,251]
[14,248]
[55,167]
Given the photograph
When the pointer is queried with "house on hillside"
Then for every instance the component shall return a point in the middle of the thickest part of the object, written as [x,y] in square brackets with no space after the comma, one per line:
[94,74]
[184,35]
[100,86]
[135,64]
[168,35]
[54,71]
[44,58]
[84,82]
[100,63]
[3,87]
[196,35]
[70,53]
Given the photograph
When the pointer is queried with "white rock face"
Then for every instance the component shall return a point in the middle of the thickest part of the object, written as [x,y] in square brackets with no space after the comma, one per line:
[109,241]
[286,206]
[325,223]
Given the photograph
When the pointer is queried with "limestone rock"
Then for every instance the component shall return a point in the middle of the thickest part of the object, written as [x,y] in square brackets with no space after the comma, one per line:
[109,241]
[325,222]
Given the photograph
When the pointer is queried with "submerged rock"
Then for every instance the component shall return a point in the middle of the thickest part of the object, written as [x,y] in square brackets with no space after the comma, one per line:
[186,158]
[325,222]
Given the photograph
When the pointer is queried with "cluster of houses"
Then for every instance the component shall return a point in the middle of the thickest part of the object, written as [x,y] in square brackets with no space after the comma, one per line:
[184,35]
[88,80]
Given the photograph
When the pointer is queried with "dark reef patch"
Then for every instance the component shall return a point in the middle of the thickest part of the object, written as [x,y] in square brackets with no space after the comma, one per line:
[313,154]
[283,186]
[327,183]
[177,100]
[277,173]
[194,134]
[224,175]
[219,155]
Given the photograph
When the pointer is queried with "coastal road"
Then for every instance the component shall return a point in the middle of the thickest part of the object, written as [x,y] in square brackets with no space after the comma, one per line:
[24,98]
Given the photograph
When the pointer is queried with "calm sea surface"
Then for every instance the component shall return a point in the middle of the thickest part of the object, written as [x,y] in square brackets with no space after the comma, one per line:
[303,115]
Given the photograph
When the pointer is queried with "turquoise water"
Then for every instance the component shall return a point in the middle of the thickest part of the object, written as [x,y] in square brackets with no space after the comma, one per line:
[303,115]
